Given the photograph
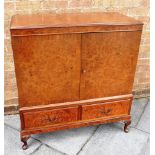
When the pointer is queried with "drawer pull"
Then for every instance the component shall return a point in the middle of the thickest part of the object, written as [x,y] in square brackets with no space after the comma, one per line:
[105,112]
[51,119]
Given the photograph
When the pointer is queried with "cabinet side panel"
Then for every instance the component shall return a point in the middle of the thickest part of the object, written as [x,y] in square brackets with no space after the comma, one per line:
[108,63]
[47,68]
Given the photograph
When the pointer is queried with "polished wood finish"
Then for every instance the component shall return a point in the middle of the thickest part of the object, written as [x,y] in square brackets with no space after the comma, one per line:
[74,70]
[45,24]
[47,68]
[50,117]
[101,53]
[77,103]
[75,30]
[71,20]
[75,125]
[108,109]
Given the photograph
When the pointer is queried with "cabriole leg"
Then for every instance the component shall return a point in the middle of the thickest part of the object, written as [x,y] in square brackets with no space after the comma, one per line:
[126,125]
[24,140]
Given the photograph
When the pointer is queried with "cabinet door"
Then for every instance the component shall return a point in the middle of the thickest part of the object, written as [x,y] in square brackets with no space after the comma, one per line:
[47,68]
[108,63]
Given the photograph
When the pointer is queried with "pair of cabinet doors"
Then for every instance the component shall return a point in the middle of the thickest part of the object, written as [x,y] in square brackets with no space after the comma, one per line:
[68,67]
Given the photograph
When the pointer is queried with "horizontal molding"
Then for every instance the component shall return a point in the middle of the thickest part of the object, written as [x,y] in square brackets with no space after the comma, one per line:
[11,105]
[69,30]
[77,103]
[74,125]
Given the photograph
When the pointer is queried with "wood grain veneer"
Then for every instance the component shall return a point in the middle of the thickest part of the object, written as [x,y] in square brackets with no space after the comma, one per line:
[48,67]
[48,117]
[101,53]
[74,69]
[108,109]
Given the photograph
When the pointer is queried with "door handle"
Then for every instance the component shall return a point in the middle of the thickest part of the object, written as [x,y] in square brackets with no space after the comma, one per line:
[83,71]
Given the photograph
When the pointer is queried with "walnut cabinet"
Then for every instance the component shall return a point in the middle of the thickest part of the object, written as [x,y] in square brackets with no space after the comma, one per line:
[74,69]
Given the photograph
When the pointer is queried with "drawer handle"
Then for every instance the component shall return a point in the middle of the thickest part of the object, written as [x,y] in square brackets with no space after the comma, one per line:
[51,119]
[105,112]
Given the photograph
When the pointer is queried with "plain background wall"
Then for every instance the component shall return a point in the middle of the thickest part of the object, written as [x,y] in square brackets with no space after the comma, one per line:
[138,9]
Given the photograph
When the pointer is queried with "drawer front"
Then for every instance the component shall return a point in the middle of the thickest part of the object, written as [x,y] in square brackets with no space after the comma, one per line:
[49,117]
[109,109]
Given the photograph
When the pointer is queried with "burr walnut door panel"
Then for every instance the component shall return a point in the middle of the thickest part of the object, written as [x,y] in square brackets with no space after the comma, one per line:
[47,68]
[108,63]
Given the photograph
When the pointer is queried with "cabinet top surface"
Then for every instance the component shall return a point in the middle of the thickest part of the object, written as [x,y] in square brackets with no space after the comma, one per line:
[70,20]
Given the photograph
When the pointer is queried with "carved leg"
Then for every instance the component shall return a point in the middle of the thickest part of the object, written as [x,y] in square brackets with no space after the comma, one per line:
[127,123]
[24,140]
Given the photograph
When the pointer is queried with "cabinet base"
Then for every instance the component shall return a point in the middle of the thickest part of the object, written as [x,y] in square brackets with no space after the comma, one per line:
[62,116]
[25,134]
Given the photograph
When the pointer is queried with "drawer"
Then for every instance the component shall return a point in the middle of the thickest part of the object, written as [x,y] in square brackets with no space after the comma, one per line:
[49,117]
[108,109]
